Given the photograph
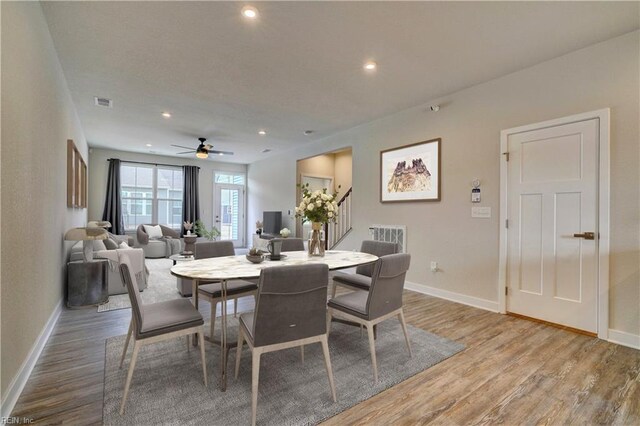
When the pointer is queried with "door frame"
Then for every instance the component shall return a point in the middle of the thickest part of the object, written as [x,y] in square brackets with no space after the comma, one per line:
[243,222]
[603,202]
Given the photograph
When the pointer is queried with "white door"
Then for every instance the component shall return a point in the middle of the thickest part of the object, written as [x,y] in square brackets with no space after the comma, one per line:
[552,224]
[228,212]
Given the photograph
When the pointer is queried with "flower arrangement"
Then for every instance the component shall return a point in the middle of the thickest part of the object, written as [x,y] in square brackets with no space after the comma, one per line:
[187,227]
[285,232]
[317,206]
[259,226]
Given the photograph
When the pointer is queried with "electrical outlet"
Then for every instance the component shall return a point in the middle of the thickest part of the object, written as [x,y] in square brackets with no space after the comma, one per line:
[434,266]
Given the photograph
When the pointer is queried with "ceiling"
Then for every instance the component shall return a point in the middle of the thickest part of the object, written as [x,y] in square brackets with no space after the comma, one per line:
[298,67]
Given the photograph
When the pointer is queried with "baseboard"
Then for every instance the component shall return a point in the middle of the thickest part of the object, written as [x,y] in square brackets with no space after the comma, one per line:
[623,338]
[476,302]
[20,380]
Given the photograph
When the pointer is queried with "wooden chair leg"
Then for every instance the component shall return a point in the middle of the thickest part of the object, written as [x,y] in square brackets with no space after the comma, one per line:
[372,348]
[333,290]
[126,343]
[214,308]
[327,365]
[132,366]
[302,353]
[202,357]
[255,376]
[329,317]
[239,350]
[404,329]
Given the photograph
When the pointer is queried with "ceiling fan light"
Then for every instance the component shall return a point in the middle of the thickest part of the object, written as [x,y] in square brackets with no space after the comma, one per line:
[202,154]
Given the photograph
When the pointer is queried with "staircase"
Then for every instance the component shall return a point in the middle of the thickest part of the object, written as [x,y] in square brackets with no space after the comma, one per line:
[336,232]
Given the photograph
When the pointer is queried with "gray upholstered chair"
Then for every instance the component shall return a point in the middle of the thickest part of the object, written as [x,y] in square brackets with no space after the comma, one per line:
[155,248]
[157,322]
[212,292]
[291,244]
[361,280]
[291,312]
[381,302]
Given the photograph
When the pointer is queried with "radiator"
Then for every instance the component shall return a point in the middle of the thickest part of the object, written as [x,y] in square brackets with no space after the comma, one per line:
[390,234]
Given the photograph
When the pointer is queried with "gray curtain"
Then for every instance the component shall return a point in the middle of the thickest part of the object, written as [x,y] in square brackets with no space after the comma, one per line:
[190,195]
[112,204]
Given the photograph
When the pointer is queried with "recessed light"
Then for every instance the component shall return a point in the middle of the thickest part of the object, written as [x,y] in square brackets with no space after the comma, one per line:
[250,12]
[166,114]
[262,133]
[148,144]
[370,66]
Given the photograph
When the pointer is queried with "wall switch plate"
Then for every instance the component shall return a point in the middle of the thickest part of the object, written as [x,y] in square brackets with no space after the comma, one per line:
[481,212]
[434,266]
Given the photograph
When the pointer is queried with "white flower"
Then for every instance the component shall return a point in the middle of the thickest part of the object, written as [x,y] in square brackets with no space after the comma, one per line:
[285,232]
[311,207]
[330,214]
[318,203]
[325,197]
[330,207]
[317,193]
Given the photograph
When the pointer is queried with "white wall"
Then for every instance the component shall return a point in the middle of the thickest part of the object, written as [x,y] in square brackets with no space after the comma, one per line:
[469,123]
[99,167]
[37,119]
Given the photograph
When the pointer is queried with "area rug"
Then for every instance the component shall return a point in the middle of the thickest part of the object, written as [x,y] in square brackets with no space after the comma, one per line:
[161,287]
[167,385]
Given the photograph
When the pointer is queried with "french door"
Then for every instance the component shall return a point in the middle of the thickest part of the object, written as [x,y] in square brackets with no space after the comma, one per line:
[228,212]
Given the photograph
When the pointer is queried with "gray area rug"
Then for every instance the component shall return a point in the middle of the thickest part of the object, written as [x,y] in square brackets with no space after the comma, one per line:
[162,286]
[167,385]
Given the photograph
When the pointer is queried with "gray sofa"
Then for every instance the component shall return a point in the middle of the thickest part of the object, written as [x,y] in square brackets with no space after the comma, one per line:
[116,286]
[157,248]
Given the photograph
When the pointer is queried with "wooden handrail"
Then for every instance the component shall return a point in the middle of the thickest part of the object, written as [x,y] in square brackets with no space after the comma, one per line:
[344,197]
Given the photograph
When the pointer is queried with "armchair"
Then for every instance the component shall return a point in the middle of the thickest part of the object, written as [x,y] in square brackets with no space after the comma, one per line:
[156,248]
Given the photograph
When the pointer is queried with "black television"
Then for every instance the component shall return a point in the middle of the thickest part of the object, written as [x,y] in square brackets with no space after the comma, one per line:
[271,223]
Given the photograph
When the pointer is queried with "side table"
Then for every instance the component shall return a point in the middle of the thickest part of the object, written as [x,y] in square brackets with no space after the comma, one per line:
[184,285]
[87,283]
[189,242]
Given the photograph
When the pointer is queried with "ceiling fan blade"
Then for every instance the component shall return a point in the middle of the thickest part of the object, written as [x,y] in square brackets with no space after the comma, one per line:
[208,147]
[215,151]
[185,147]
[186,152]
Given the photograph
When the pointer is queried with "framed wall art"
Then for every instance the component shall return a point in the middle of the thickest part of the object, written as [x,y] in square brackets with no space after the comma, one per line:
[411,172]
[76,177]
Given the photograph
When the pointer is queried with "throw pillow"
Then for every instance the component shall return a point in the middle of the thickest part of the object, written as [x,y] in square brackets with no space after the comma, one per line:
[154,232]
[110,244]
[124,245]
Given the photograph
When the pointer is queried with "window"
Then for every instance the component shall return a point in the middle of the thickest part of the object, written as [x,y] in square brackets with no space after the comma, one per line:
[229,177]
[151,194]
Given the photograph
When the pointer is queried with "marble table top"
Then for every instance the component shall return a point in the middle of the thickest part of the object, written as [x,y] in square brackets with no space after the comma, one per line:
[235,267]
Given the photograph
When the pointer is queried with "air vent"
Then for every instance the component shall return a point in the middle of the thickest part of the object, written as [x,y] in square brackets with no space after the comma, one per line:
[103,102]
[264,151]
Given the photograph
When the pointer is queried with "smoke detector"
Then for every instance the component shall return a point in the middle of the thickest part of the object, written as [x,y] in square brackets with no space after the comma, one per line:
[102,102]
[435,108]
[308,132]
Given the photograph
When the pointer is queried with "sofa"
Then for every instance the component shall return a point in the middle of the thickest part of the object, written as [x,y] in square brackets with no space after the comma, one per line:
[100,251]
[155,248]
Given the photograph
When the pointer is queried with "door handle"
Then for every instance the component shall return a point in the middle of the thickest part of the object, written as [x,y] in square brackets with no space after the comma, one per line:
[586,235]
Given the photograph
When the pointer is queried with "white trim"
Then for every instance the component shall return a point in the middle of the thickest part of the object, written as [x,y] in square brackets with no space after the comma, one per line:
[20,380]
[623,338]
[603,117]
[476,302]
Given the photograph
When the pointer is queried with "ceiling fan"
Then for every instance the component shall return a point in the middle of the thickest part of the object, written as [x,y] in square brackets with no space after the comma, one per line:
[203,150]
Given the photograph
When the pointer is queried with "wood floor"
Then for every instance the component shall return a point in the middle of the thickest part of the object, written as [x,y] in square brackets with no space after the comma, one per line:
[512,371]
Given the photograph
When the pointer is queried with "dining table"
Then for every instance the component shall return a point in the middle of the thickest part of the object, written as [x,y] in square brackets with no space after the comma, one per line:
[223,269]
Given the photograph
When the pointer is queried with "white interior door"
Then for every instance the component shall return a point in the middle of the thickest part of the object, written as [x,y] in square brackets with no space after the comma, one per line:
[552,209]
[228,212]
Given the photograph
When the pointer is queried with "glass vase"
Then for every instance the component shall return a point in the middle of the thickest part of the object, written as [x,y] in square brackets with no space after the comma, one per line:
[316,240]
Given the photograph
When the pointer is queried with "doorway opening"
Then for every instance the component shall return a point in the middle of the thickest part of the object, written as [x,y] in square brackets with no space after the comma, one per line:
[333,171]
